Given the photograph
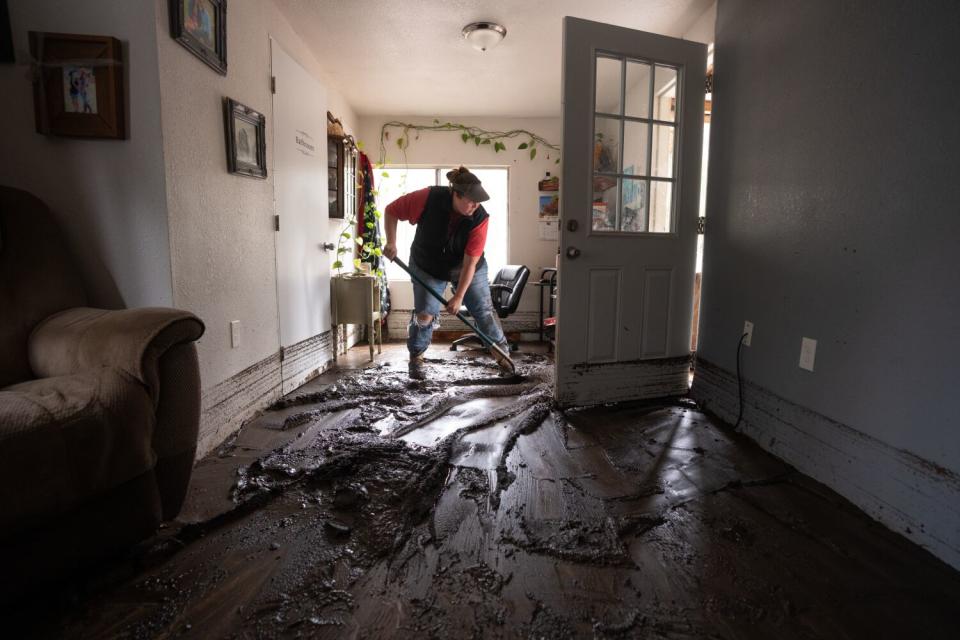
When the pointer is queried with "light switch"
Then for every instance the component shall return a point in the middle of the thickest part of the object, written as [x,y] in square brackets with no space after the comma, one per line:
[808,351]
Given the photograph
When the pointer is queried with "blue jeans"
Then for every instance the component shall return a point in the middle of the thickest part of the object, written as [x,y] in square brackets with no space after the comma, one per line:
[477,301]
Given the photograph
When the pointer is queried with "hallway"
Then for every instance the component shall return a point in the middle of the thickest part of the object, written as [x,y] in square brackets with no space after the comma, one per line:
[371,504]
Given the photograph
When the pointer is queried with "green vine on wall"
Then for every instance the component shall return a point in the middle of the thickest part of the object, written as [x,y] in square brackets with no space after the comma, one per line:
[497,140]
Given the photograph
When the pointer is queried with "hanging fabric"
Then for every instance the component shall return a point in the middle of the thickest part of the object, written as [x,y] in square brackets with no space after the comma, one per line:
[368,228]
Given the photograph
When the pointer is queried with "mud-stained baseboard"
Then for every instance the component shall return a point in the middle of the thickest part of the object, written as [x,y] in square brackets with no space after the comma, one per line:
[228,404]
[306,360]
[592,384]
[225,406]
[521,321]
[906,493]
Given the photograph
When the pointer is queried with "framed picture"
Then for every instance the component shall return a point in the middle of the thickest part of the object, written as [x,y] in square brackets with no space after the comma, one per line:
[78,90]
[246,133]
[549,206]
[201,27]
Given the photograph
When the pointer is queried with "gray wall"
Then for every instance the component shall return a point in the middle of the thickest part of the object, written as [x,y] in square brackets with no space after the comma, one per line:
[834,211]
[109,195]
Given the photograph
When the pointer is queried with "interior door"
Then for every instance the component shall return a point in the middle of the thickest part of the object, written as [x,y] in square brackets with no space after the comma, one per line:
[300,188]
[632,134]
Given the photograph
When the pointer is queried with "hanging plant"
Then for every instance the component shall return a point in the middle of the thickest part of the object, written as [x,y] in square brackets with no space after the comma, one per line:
[497,140]
[366,248]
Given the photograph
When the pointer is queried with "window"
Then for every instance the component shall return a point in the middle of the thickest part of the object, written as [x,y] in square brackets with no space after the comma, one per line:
[635,133]
[402,180]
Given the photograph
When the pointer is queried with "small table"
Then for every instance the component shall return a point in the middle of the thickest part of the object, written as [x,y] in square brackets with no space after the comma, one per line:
[355,299]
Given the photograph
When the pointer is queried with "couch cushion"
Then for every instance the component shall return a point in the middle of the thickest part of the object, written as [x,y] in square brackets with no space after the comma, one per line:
[66,439]
[37,277]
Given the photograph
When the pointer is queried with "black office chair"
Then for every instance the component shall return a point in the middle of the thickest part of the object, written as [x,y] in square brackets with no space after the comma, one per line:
[506,289]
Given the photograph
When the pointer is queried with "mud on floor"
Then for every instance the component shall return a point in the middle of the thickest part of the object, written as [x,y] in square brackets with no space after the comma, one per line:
[449,502]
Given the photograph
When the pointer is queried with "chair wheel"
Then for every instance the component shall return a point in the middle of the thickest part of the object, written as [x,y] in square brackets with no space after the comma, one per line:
[453,347]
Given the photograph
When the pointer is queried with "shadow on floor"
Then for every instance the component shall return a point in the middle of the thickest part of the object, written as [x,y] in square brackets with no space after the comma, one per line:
[455,503]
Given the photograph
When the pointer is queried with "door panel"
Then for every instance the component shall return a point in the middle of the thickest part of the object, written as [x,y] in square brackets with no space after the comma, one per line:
[300,188]
[604,315]
[632,132]
[656,312]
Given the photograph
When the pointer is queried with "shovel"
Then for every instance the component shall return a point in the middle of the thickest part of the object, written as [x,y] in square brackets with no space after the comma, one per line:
[495,350]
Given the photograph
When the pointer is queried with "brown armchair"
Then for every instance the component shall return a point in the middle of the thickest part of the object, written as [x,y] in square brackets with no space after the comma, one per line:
[99,410]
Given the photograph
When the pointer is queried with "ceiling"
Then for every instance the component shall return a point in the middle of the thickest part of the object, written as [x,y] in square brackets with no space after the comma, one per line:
[407,57]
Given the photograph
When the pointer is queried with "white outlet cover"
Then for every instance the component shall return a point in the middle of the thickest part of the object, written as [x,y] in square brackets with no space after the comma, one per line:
[747,329]
[234,333]
[808,352]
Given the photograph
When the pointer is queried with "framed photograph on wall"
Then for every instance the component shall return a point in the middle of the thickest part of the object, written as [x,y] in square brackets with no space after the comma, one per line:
[78,90]
[246,133]
[201,27]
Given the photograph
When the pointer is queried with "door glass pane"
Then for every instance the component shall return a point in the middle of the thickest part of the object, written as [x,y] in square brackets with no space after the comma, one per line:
[608,85]
[605,191]
[664,94]
[633,215]
[635,148]
[637,103]
[606,145]
[661,206]
[662,156]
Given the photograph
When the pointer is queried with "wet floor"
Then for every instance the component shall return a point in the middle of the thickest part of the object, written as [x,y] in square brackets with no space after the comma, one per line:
[450,502]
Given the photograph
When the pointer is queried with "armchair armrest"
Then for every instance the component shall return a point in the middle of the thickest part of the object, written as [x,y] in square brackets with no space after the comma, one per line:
[132,340]
[501,287]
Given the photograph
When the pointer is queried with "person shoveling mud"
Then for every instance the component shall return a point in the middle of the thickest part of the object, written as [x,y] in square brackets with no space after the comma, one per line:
[448,248]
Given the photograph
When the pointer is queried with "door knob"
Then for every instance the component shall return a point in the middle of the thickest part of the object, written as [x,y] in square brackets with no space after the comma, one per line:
[328,246]
[573,253]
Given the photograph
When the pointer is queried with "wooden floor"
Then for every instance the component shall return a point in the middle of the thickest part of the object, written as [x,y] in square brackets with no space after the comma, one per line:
[446,502]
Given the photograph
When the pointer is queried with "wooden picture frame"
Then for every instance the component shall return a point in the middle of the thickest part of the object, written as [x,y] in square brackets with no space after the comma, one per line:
[245,157]
[201,27]
[78,89]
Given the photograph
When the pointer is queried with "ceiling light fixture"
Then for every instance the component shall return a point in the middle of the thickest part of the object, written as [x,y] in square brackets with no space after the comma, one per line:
[484,35]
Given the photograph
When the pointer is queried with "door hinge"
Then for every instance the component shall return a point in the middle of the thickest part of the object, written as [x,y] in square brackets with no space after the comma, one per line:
[701,225]
[276,223]
[273,84]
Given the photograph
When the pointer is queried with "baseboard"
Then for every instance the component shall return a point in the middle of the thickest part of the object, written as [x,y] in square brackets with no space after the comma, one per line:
[906,493]
[306,360]
[228,404]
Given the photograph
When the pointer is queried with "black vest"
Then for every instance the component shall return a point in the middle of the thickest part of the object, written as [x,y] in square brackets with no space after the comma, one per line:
[433,250]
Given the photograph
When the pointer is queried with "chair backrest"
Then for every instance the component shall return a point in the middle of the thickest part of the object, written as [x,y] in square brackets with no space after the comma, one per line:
[37,277]
[514,277]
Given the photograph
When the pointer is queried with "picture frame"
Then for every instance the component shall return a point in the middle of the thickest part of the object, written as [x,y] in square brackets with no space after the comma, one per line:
[201,27]
[549,206]
[246,138]
[78,88]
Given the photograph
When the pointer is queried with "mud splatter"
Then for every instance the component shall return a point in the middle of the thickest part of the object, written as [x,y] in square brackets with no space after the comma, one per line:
[633,520]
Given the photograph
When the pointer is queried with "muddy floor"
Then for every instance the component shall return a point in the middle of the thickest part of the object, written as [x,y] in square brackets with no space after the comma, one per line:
[450,502]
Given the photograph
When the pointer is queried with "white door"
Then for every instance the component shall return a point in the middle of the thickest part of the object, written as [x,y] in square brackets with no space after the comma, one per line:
[300,188]
[632,133]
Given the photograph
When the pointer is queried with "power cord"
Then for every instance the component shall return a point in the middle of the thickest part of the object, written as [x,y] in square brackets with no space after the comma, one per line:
[740,381]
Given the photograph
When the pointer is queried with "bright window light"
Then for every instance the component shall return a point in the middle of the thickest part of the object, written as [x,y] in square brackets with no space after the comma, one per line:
[400,181]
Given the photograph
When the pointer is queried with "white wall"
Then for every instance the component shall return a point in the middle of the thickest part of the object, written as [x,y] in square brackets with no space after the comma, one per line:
[447,148]
[221,225]
[109,195]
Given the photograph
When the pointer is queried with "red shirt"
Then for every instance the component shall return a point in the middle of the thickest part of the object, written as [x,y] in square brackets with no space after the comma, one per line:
[410,206]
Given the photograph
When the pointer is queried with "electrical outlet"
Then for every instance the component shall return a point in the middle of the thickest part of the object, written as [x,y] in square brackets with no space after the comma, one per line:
[234,334]
[747,329]
[808,351]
